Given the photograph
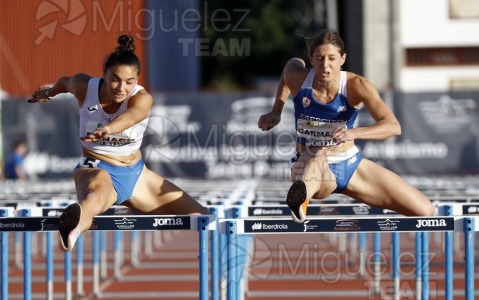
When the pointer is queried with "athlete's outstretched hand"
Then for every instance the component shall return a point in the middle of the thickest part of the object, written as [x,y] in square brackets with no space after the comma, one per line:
[97,134]
[40,95]
[269,120]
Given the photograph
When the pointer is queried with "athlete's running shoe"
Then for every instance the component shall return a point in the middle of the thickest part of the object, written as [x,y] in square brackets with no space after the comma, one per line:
[69,226]
[297,201]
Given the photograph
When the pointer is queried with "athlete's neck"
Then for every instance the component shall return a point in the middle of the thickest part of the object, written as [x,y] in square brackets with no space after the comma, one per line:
[326,86]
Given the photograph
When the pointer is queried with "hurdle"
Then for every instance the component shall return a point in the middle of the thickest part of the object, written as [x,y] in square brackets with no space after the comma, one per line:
[330,209]
[233,228]
[465,206]
[236,203]
[55,207]
[29,222]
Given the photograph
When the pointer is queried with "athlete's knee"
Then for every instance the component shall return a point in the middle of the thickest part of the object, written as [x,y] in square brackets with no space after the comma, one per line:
[427,209]
[431,209]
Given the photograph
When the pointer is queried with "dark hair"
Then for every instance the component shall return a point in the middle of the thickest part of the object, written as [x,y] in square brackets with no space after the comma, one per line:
[123,54]
[18,143]
[325,37]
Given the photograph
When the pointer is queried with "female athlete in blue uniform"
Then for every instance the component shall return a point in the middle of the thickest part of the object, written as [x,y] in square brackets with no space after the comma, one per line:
[326,103]
[114,112]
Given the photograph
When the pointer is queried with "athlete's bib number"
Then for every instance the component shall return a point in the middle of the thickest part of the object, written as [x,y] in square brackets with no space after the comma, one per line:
[318,133]
[88,162]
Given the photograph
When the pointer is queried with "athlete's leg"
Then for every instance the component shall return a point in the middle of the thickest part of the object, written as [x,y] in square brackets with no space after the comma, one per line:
[95,194]
[377,186]
[311,177]
[312,168]
[155,195]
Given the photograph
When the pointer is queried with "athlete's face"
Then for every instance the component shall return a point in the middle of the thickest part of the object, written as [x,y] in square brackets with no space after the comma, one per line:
[327,61]
[120,81]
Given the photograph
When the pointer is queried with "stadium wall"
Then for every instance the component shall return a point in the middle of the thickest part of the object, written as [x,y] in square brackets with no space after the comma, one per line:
[212,135]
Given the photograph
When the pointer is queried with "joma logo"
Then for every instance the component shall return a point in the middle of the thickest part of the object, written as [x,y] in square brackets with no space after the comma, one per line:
[431,223]
[167,222]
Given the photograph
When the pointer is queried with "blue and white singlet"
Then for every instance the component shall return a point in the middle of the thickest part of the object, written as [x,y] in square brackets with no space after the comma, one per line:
[316,121]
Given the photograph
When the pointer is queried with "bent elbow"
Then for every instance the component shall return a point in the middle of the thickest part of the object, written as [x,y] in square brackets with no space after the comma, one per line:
[397,130]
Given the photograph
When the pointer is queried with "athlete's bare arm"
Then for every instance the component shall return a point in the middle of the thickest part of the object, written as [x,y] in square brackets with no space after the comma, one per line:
[139,107]
[290,82]
[360,90]
[76,85]
[294,74]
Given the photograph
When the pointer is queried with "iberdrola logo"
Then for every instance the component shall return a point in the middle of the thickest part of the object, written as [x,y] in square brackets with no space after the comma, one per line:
[74,23]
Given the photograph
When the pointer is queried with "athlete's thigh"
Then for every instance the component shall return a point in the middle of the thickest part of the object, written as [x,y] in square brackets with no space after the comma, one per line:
[154,194]
[315,168]
[377,186]
[94,181]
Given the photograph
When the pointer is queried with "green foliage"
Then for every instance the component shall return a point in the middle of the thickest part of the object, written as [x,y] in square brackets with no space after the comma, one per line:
[262,32]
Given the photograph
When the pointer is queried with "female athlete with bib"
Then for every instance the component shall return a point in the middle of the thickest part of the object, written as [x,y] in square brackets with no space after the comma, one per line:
[114,111]
[326,103]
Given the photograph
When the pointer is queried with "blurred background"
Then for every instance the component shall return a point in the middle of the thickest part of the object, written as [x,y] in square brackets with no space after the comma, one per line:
[212,68]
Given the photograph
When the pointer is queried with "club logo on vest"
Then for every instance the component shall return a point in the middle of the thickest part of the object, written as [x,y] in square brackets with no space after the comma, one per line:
[306,102]
[93,108]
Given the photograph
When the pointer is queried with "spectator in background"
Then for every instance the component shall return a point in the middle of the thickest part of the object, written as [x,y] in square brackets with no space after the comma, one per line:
[14,168]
